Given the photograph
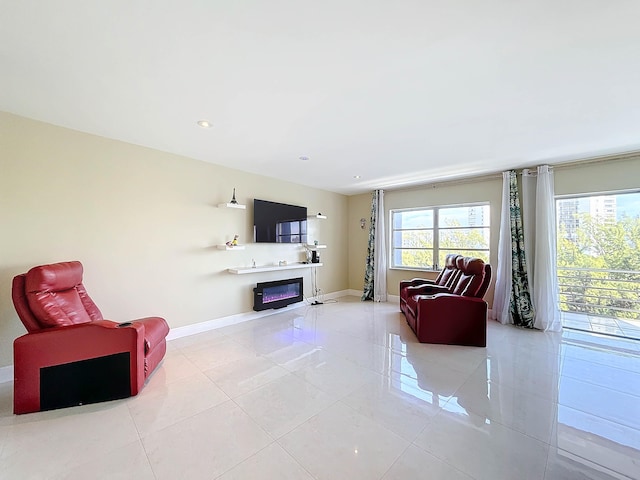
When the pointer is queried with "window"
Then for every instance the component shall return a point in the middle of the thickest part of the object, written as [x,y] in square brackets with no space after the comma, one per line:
[598,238]
[422,237]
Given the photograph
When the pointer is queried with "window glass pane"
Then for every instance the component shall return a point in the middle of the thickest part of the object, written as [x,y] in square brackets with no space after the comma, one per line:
[470,216]
[463,230]
[467,238]
[484,255]
[413,219]
[413,238]
[413,258]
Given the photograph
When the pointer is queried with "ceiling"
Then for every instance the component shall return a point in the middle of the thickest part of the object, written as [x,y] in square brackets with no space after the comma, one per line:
[398,92]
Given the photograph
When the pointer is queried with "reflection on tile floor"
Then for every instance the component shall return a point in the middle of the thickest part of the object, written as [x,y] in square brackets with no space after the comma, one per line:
[344,391]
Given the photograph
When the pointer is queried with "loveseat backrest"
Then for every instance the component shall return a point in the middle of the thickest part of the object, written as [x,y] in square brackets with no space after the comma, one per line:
[471,278]
[56,297]
[450,270]
[485,282]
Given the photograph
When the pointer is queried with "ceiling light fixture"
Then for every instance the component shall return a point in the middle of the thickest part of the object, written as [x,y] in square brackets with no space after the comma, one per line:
[304,158]
[357,177]
[205,123]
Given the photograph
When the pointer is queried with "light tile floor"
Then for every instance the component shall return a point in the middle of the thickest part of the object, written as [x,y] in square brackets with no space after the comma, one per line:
[344,391]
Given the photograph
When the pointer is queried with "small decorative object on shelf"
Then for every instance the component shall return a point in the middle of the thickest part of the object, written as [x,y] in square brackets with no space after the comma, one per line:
[234,242]
[233,198]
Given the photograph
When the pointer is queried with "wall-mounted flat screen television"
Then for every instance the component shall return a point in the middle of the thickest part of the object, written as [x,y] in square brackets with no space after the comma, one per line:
[278,222]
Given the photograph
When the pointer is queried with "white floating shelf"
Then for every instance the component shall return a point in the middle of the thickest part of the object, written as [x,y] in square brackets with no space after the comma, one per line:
[315,247]
[232,205]
[272,268]
[227,247]
[322,217]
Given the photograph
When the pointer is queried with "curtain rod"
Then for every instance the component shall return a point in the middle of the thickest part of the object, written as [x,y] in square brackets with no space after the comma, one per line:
[599,159]
[494,175]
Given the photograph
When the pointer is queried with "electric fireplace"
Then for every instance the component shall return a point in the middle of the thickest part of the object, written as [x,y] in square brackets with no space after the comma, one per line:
[277,294]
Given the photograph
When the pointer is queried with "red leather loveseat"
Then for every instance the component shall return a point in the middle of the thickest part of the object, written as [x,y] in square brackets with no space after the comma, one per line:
[451,309]
[71,355]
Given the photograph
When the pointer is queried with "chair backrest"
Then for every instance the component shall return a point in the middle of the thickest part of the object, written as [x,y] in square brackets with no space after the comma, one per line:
[19,297]
[53,296]
[472,276]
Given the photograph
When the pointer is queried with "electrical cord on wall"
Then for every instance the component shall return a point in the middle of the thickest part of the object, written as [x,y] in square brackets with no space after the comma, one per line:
[314,287]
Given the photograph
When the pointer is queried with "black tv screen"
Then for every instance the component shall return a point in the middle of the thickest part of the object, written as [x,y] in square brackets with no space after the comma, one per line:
[278,222]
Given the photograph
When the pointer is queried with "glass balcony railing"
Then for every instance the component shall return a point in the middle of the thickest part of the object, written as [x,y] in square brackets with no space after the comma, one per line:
[600,292]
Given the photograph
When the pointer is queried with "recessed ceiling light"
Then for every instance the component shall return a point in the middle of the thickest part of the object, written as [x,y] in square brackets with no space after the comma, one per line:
[356,177]
[304,158]
[205,124]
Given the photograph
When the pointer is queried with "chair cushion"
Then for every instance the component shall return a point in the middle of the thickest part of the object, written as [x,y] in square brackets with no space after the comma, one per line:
[56,296]
[54,278]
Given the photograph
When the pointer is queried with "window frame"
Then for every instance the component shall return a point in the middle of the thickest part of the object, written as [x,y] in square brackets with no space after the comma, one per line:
[436,234]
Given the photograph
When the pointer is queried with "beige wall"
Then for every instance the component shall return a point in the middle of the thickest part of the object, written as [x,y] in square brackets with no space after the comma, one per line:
[359,207]
[612,175]
[605,176]
[483,190]
[145,224]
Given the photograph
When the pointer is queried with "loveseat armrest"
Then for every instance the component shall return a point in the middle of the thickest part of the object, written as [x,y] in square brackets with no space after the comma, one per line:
[426,289]
[75,343]
[451,319]
[415,282]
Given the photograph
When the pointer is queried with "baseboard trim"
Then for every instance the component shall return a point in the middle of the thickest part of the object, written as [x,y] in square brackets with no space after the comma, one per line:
[358,293]
[221,322]
[6,374]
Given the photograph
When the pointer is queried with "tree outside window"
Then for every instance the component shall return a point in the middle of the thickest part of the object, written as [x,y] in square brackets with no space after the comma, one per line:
[421,238]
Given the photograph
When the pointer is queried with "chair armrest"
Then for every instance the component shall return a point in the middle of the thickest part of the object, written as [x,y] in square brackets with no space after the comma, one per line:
[60,345]
[155,331]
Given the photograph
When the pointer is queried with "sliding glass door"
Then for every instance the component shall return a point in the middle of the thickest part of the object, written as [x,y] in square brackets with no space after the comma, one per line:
[599,262]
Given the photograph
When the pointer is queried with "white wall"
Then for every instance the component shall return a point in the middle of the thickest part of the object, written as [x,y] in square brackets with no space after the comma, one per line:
[145,224]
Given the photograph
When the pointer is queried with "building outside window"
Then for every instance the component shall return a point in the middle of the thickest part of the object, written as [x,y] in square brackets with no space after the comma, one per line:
[422,237]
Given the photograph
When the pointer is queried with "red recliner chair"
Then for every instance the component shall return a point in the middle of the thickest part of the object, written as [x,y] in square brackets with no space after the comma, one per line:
[71,355]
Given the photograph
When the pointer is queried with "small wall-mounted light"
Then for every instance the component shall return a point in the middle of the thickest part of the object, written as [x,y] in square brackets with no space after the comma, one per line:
[363,223]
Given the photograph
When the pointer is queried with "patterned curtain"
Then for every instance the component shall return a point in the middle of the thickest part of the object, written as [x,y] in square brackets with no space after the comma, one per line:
[369,272]
[520,304]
